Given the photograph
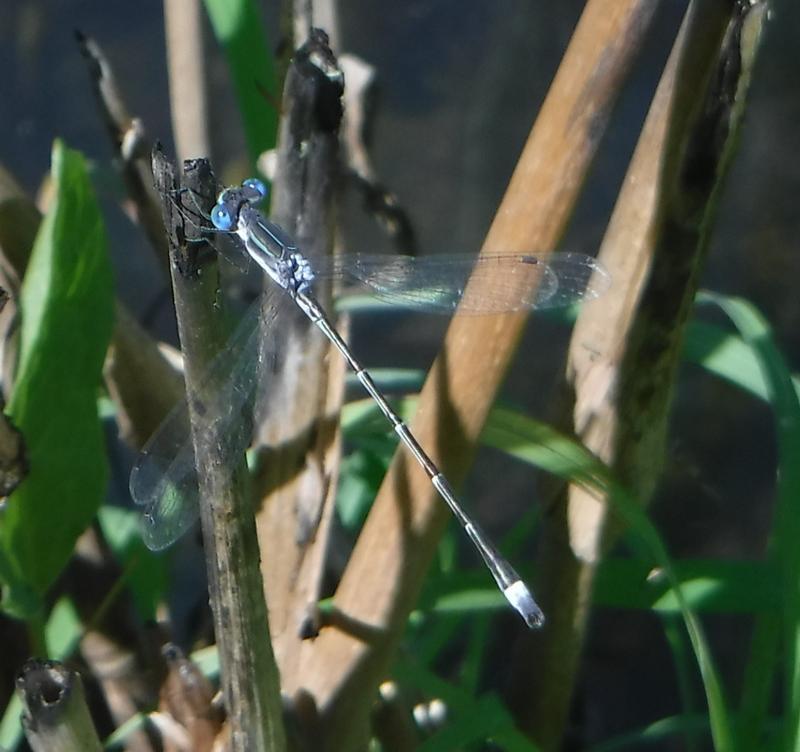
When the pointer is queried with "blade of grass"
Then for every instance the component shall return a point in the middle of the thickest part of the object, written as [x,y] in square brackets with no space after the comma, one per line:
[666,727]
[676,639]
[783,548]
[472,665]
[540,445]
[239,28]
[546,448]
[725,355]
[708,585]
[719,586]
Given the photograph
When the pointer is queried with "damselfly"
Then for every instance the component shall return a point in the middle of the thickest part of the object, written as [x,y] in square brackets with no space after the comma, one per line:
[164,479]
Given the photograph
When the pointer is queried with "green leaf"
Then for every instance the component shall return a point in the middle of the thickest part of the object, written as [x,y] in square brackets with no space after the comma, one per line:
[685,726]
[546,448]
[784,553]
[716,586]
[144,574]
[63,630]
[239,29]
[67,313]
[360,476]
[727,356]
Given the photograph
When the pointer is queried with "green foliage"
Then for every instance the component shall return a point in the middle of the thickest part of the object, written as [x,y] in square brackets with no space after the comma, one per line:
[146,575]
[750,360]
[471,719]
[238,28]
[67,314]
[779,631]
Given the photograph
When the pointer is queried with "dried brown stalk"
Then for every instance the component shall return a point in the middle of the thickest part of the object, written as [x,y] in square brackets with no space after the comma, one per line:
[384,575]
[305,395]
[55,715]
[626,348]
[250,680]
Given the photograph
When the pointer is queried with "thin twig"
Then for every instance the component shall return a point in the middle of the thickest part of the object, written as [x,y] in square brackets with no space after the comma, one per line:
[144,384]
[380,203]
[130,145]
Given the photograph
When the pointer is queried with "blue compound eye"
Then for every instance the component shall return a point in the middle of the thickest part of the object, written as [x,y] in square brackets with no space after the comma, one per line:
[221,217]
[256,185]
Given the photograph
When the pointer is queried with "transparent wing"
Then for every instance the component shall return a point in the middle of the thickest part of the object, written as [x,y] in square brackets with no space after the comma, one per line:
[438,283]
[164,479]
[166,485]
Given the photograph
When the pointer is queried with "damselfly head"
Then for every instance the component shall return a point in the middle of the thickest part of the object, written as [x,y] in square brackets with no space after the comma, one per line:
[225,213]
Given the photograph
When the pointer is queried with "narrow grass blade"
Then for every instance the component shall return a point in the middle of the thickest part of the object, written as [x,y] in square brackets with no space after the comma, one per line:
[783,550]
[716,586]
[696,726]
[727,356]
[544,447]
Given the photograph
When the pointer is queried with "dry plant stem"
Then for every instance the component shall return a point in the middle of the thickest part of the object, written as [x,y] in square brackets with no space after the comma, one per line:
[55,715]
[306,15]
[188,697]
[626,348]
[142,382]
[304,395]
[249,675]
[325,15]
[111,645]
[394,550]
[393,720]
[19,223]
[130,145]
[187,77]
[379,201]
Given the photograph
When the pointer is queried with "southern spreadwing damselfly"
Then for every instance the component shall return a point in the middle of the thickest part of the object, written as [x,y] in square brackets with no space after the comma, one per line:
[164,479]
